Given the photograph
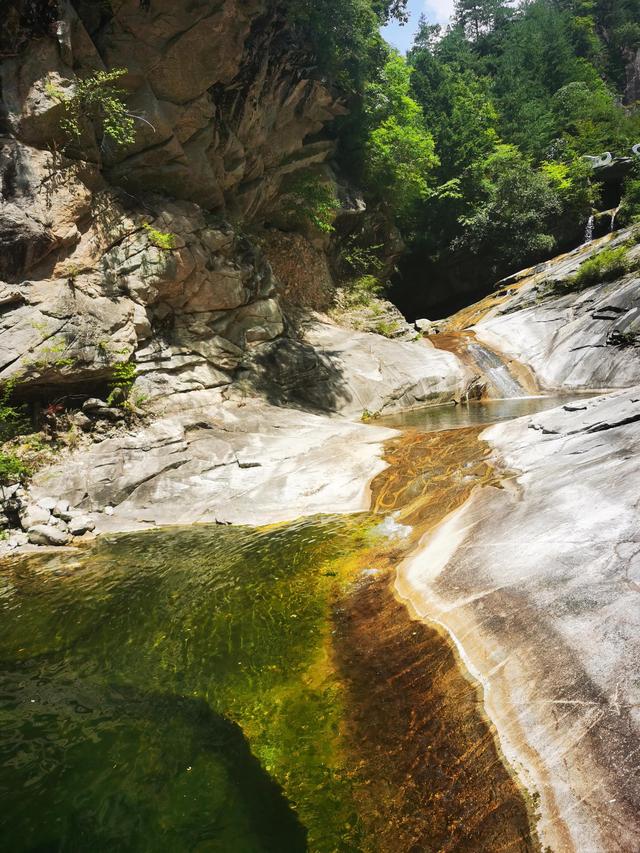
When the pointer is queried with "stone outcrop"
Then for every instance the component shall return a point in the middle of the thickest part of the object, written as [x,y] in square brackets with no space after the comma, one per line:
[223,112]
[225,455]
[189,309]
[301,269]
[222,105]
[230,462]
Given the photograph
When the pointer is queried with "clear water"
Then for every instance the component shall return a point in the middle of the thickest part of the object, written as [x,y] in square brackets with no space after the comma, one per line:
[169,691]
[185,689]
[436,418]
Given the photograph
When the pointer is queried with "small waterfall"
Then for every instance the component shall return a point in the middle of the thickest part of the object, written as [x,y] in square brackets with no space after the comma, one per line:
[588,232]
[501,383]
[613,218]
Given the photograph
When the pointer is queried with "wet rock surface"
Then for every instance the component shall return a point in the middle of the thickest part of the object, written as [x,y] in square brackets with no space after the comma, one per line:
[569,338]
[530,579]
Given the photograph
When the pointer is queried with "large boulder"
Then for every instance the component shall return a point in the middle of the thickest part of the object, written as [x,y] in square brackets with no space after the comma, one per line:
[45,534]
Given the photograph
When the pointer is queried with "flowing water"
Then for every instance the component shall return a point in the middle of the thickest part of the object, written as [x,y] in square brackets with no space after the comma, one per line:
[242,690]
[588,231]
[496,373]
[496,376]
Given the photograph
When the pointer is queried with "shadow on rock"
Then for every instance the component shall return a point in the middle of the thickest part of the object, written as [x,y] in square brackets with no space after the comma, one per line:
[294,373]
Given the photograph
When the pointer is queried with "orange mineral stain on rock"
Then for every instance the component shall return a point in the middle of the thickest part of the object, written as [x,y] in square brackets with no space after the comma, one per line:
[426,763]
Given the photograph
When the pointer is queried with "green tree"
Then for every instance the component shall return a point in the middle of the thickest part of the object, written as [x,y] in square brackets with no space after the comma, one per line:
[400,152]
[512,225]
[479,17]
[590,120]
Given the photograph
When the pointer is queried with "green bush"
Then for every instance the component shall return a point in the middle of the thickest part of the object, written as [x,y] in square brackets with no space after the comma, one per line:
[122,379]
[164,240]
[630,204]
[360,259]
[12,469]
[362,290]
[309,199]
[13,419]
[97,99]
[387,328]
[607,265]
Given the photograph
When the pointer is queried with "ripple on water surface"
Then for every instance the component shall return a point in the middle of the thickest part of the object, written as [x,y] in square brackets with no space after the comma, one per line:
[232,689]
[153,689]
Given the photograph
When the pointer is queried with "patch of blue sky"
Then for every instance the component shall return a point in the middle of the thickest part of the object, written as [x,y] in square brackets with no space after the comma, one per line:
[436,12]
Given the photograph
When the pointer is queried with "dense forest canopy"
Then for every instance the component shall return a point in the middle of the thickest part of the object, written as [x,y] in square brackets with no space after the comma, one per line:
[475,140]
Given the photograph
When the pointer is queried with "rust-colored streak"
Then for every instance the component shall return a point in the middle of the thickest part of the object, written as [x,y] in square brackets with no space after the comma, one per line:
[472,314]
[428,770]
[430,475]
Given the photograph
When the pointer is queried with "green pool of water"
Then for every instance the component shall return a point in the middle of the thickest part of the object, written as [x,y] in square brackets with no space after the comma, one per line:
[174,691]
[450,416]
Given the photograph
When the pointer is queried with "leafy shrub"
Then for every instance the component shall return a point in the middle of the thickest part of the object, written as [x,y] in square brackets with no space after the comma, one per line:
[360,260]
[309,199]
[605,266]
[122,379]
[98,99]
[630,204]
[13,419]
[160,239]
[367,416]
[362,290]
[387,328]
[12,469]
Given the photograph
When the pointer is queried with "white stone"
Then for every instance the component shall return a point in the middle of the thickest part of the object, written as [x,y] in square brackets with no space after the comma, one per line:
[61,509]
[44,534]
[81,524]
[33,515]
[47,503]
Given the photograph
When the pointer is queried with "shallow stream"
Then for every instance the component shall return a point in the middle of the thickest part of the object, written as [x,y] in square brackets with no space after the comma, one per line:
[474,412]
[228,689]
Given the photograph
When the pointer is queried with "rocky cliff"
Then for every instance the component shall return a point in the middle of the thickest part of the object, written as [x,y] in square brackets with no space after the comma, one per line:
[219,120]
[135,249]
[117,253]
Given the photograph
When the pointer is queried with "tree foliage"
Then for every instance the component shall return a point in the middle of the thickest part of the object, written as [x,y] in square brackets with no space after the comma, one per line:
[512,97]
[99,100]
[400,151]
